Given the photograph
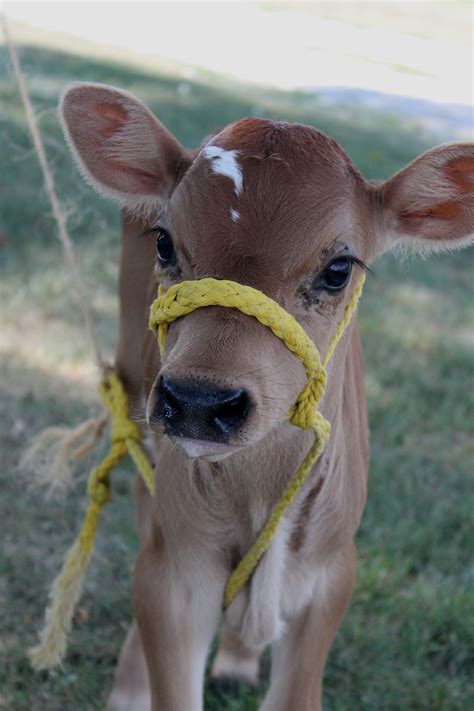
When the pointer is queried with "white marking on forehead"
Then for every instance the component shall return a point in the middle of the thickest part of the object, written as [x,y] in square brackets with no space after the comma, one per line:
[235,214]
[224,163]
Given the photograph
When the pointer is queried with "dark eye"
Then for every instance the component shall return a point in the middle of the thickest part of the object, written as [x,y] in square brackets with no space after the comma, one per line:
[164,248]
[336,275]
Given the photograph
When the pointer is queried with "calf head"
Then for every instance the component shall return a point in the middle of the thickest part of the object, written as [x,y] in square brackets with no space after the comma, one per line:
[273,205]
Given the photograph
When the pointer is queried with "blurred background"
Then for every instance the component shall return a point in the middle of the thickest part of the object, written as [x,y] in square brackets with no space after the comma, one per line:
[387,80]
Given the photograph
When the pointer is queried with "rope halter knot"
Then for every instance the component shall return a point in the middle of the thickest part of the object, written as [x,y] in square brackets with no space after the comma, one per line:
[303,413]
[98,490]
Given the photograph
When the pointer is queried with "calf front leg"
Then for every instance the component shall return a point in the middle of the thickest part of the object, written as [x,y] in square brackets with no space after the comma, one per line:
[131,689]
[299,657]
[177,610]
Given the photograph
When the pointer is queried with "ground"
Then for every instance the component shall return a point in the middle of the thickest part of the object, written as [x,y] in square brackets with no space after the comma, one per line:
[408,637]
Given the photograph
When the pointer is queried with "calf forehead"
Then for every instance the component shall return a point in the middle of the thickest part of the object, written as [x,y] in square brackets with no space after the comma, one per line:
[264,194]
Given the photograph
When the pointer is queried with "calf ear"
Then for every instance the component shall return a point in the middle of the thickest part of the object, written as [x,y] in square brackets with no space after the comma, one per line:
[430,204]
[119,145]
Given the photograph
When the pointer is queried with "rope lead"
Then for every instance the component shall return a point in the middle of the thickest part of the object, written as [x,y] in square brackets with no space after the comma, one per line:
[66,589]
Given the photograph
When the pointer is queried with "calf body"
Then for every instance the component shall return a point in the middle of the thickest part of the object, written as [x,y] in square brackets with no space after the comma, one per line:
[279,207]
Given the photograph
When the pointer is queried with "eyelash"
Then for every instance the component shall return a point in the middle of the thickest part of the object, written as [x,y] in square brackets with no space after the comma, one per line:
[353,260]
[151,231]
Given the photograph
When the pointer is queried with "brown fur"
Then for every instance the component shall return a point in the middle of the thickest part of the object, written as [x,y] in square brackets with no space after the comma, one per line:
[302,202]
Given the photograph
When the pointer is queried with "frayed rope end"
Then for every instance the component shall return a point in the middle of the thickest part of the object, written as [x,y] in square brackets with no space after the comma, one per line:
[64,595]
[48,457]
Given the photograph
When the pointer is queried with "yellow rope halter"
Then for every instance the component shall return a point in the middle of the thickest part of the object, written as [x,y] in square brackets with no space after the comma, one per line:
[179,300]
[182,299]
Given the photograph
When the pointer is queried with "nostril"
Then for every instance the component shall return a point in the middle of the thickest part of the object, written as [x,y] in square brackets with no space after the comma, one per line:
[169,400]
[167,389]
[230,414]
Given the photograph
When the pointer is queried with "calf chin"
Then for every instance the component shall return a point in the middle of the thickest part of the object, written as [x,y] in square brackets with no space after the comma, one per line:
[203,449]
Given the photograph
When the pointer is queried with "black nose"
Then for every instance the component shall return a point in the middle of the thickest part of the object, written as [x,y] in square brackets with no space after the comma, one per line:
[200,412]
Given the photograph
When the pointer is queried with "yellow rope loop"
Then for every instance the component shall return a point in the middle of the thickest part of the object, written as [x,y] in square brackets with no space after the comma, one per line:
[124,431]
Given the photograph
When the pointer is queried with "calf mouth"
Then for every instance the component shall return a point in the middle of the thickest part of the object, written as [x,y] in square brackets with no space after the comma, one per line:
[204,449]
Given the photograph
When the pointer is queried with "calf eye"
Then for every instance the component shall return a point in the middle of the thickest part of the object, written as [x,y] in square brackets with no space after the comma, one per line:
[164,248]
[336,275]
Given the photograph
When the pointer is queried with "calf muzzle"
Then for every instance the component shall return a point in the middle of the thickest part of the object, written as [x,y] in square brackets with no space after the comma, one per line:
[200,412]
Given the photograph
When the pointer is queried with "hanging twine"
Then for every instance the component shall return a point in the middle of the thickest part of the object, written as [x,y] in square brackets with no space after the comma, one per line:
[59,216]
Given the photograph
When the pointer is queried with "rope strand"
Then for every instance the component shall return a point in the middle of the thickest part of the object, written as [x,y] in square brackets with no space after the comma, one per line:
[59,217]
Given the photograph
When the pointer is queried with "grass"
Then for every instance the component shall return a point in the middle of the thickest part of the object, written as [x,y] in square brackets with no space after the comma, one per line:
[407,640]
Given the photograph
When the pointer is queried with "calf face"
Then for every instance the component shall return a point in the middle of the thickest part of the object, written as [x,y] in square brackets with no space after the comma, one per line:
[262,205]
[273,205]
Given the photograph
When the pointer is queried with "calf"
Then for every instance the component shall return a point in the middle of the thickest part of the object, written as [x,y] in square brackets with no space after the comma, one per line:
[280,207]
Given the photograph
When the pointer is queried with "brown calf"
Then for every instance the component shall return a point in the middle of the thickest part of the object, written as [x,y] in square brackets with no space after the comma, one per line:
[280,207]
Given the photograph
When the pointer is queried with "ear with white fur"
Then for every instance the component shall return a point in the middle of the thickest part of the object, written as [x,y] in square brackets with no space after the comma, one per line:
[120,146]
[429,205]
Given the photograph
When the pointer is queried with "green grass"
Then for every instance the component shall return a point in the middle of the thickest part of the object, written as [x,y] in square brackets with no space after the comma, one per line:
[408,638]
